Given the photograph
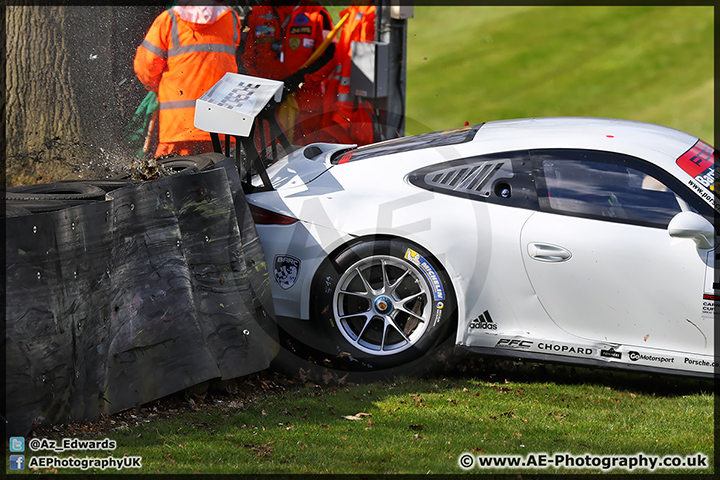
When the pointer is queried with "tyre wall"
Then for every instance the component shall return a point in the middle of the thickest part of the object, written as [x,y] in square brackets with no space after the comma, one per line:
[112,303]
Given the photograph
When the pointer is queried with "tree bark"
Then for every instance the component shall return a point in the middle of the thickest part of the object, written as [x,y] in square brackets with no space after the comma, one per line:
[38,80]
[71,89]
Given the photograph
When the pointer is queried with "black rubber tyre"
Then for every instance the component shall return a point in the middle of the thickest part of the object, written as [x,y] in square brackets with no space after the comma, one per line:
[56,191]
[108,185]
[200,162]
[16,208]
[381,304]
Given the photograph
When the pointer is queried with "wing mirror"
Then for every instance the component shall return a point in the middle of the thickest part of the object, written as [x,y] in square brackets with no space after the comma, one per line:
[693,226]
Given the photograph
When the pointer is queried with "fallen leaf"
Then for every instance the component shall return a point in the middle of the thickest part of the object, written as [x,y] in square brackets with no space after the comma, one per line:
[416,427]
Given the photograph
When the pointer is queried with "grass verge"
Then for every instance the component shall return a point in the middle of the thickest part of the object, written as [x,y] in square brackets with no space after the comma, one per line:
[645,63]
[276,425]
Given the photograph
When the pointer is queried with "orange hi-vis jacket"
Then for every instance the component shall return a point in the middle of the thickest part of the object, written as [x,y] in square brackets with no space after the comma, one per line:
[181,60]
[280,38]
[347,118]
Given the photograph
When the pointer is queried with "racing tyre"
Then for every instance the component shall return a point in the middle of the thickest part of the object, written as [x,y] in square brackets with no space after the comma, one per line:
[382,304]
[183,164]
[56,191]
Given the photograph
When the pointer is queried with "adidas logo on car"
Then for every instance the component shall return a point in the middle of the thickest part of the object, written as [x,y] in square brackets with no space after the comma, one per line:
[484,322]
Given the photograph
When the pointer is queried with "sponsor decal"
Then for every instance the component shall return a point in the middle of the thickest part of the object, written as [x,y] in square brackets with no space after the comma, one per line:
[300,30]
[294,43]
[438,312]
[301,19]
[701,363]
[699,163]
[264,31]
[345,158]
[704,195]
[565,348]
[708,308]
[611,353]
[286,270]
[698,160]
[483,322]
[429,271]
[514,343]
[308,42]
[635,356]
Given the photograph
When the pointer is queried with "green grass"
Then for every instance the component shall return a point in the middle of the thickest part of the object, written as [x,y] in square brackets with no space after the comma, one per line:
[419,426]
[475,64]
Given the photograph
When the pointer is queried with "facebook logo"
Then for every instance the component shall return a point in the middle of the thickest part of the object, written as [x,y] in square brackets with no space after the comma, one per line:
[17,462]
[17,444]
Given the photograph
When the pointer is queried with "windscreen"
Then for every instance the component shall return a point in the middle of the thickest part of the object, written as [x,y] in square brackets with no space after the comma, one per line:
[407,144]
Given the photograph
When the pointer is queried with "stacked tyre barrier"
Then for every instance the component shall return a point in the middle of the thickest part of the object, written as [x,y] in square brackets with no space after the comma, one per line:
[120,292]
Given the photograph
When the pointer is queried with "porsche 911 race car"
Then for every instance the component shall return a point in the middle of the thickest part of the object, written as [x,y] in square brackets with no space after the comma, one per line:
[577,240]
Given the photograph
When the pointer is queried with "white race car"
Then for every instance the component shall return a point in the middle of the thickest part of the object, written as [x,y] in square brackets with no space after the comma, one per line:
[577,240]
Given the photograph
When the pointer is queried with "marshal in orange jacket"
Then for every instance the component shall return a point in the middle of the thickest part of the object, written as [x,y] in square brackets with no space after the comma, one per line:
[279,39]
[347,118]
[180,60]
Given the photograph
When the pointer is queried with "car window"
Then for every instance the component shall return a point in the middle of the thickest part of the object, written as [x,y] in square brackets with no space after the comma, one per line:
[502,178]
[607,191]
[407,144]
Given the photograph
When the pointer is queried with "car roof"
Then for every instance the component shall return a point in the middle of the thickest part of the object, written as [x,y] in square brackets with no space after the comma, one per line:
[660,144]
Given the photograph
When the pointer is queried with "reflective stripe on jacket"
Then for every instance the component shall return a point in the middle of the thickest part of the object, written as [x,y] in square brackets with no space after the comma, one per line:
[181,60]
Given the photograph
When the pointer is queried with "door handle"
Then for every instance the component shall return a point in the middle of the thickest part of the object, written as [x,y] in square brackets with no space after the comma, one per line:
[548,253]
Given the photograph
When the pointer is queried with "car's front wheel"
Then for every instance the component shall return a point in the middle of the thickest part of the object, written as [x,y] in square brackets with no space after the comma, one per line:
[382,303]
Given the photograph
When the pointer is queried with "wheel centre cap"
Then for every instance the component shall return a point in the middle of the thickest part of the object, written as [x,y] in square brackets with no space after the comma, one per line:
[383,304]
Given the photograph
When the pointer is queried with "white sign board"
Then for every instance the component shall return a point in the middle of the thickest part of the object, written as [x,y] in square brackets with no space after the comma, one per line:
[231,105]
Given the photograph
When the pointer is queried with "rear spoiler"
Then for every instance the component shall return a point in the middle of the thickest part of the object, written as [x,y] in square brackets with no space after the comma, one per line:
[238,106]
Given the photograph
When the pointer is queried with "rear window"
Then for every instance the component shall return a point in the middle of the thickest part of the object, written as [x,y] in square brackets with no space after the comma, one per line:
[407,144]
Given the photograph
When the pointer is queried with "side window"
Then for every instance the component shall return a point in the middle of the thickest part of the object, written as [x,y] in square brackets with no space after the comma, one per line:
[604,186]
[504,179]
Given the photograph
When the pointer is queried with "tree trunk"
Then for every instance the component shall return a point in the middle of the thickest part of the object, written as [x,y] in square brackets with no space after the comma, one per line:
[37,79]
[71,89]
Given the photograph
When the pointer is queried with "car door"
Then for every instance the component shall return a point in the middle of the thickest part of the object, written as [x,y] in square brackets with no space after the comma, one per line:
[600,259]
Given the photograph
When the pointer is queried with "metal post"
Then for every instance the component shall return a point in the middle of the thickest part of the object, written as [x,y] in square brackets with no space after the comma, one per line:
[392,108]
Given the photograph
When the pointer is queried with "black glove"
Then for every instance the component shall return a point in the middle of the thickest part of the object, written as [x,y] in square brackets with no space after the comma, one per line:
[293,82]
